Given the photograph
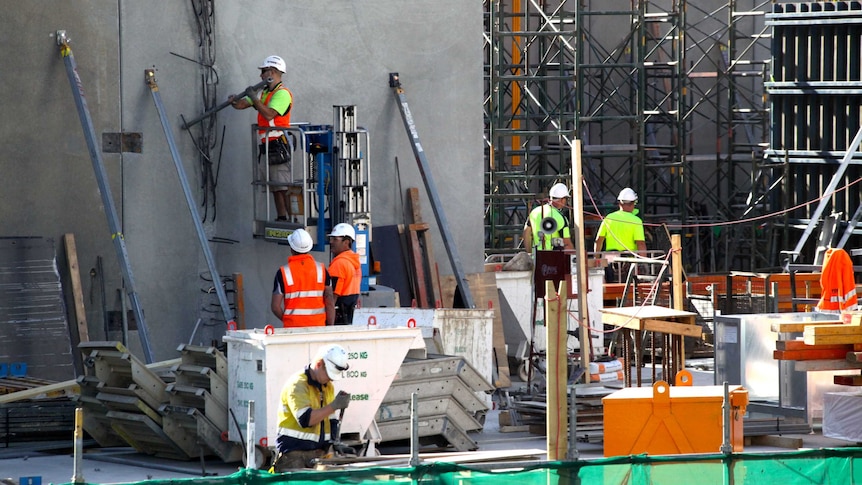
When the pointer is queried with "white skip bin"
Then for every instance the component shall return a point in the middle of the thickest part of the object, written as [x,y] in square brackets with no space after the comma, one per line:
[260,362]
[464,333]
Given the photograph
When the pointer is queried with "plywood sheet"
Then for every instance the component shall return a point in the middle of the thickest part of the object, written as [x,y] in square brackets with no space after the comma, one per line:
[33,324]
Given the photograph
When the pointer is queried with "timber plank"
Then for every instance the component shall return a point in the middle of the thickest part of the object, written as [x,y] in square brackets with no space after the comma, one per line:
[674,328]
[794,327]
[839,329]
[801,345]
[430,260]
[809,354]
[847,380]
[820,365]
[82,334]
[832,334]
[420,288]
[833,339]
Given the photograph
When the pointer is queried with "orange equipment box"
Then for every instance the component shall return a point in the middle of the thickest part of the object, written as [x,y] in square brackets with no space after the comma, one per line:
[665,420]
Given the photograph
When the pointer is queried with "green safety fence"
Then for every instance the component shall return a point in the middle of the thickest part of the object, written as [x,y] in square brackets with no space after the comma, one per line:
[832,466]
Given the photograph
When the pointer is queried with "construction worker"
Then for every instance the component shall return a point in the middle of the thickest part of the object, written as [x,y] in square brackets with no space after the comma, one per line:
[345,271]
[307,420]
[621,230]
[547,227]
[273,110]
[302,295]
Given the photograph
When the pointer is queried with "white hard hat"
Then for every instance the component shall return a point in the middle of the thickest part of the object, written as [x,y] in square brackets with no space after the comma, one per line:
[335,358]
[300,241]
[274,61]
[344,230]
[627,195]
[558,191]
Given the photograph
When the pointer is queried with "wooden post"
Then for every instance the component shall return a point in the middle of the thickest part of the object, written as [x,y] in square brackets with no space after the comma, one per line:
[676,269]
[582,272]
[429,259]
[77,467]
[557,375]
[82,334]
[678,288]
[240,301]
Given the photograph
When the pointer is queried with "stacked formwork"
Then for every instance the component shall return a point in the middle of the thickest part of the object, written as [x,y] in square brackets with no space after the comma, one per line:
[450,402]
[181,414]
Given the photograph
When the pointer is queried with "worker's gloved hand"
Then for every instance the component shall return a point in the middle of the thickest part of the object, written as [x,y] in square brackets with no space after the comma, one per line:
[343,450]
[341,400]
[251,92]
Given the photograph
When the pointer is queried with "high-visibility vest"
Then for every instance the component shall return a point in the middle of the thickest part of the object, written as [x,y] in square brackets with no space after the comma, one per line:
[304,282]
[622,230]
[298,396]
[837,282]
[541,240]
[279,120]
[347,268]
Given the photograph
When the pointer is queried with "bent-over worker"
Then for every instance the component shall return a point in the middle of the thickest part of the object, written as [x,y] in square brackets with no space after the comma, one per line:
[307,417]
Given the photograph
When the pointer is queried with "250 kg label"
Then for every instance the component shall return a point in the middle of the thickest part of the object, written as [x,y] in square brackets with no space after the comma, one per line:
[357,355]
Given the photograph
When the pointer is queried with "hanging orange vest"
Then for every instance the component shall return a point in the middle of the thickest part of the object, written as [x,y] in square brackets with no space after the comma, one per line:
[837,282]
[279,120]
[304,282]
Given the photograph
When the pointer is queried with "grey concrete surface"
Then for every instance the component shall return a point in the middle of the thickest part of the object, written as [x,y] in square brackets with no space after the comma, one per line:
[107,466]
[338,53]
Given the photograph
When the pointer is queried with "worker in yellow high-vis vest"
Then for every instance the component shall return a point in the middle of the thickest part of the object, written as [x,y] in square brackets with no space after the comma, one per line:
[547,228]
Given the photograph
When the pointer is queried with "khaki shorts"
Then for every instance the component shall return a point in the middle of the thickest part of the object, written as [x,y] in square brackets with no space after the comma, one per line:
[278,174]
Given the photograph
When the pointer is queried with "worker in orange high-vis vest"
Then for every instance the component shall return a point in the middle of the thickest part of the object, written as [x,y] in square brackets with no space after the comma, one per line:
[345,271]
[273,107]
[302,295]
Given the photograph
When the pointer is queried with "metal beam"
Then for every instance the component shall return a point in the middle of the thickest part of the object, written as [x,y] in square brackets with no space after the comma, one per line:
[104,190]
[150,79]
[431,188]
[827,193]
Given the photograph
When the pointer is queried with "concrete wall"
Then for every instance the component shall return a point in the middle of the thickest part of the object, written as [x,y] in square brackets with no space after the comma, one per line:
[338,52]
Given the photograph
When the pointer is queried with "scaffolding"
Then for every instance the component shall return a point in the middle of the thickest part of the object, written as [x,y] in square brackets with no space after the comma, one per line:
[667,98]
[816,100]
[529,110]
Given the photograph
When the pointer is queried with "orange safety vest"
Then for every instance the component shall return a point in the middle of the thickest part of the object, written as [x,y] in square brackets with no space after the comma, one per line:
[304,283]
[279,120]
[837,282]
[348,269]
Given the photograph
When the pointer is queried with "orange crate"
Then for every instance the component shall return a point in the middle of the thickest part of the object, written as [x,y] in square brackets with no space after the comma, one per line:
[666,420]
